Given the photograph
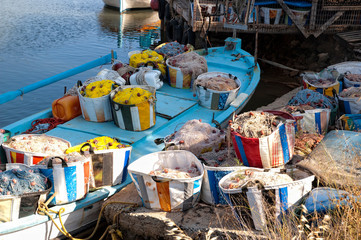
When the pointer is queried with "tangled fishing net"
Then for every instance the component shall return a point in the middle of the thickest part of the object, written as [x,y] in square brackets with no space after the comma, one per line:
[256,124]
[38,144]
[177,172]
[17,182]
[130,96]
[312,98]
[189,63]
[353,77]
[222,157]
[352,92]
[218,83]
[97,89]
[248,178]
[196,137]
[299,108]
[98,143]
[172,49]
[306,142]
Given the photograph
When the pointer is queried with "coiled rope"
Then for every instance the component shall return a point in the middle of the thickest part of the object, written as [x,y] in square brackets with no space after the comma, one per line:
[43,209]
[43,125]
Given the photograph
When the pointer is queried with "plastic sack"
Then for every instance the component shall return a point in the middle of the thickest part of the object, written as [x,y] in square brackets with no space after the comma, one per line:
[351,122]
[335,160]
[146,76]
[107,74]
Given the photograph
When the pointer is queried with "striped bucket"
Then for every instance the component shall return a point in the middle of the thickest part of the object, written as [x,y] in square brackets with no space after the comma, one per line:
[327,90]
[176,77]
[267,152]
[216,100]
[70,180]
[259,206]
[166,194]
[134,117]
[313,121]
[27,158]
[211,193]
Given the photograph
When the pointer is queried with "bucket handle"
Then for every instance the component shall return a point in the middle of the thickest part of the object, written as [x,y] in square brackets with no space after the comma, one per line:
[161,179]
[91,149]
[63,163]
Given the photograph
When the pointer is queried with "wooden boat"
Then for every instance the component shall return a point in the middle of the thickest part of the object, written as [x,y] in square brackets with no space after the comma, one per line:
[174,107]
[124,5]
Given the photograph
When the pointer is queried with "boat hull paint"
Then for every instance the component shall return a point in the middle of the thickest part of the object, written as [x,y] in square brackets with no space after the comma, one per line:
[124,5]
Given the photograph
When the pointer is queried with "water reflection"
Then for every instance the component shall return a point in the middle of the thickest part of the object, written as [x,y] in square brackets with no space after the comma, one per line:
[143,26]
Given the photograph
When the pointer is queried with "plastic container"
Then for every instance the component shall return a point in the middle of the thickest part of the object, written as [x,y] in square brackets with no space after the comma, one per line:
[216,100]
[313,121]
[166,194]
[211,193]
[134,117]
[271,151]
[66,108]
[258,206]
[27,158]
[4,136]
[176,78]
[301,15]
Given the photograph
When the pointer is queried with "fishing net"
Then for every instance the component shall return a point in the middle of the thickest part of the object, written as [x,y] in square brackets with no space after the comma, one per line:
[218,83]
[306,142]
[312,98]
[196,137]
[223,157]
[189,63]
[352,92]
[299,108]
[17,182]
[353,77]
[172,49]
[256,124]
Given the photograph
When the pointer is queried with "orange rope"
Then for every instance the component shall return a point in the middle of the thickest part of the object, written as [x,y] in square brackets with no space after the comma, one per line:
[53,122]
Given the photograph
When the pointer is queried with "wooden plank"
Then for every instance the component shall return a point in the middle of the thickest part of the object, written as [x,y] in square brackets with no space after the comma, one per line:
[170,107]
[313,14]
[296,21]
[336,16]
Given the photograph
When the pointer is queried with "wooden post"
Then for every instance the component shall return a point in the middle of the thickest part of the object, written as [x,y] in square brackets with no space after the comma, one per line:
[256,39]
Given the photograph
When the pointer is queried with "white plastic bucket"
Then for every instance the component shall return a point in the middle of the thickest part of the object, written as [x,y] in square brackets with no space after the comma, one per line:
[252,199]
[313,121]
[166,194]
[95,109]
[176,77]
[216,100]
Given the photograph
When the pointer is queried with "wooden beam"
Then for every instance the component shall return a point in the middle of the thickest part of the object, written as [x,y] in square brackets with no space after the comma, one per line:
[328,23]
[298,24]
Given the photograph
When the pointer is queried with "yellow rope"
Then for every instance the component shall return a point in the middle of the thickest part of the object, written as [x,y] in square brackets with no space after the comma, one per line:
[44,210]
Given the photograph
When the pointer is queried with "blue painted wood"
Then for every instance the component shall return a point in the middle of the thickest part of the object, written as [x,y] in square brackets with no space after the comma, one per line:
[6,97]
[172,106]
[178,103]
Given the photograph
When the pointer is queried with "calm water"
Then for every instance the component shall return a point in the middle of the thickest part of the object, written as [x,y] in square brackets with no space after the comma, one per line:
[41,38]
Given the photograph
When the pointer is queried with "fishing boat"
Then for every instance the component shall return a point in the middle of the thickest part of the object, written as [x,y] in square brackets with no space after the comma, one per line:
[124,5]
[174,107]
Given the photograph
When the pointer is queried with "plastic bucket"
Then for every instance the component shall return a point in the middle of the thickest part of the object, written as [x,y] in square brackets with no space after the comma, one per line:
[211,193]
[70,180]
[350,105]
[313,121]
[327,90]
[134,117]
[167,194]
[216,100]
[110,167]
[27,158]
[267,152]
[95,109]
[176,77]
[257,207]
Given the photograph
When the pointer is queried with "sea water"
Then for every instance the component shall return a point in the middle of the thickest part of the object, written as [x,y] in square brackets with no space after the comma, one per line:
[41,38]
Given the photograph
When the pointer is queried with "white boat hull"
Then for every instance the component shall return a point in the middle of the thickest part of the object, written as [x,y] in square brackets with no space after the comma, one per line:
[127,4]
